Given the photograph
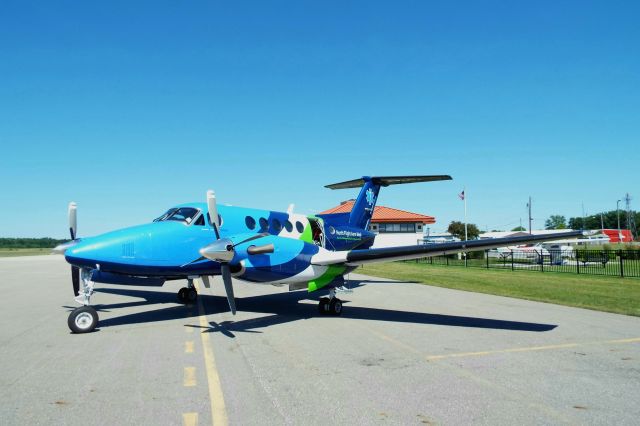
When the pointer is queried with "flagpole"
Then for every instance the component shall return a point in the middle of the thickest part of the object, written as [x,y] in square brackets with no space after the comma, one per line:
[464,191]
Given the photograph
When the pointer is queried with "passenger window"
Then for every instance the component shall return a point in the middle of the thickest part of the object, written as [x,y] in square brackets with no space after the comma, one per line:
[299,227]
[277,226]
[250,222]
[264,225]
[288,226]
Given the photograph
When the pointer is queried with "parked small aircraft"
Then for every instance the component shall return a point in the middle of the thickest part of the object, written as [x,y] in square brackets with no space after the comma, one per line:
[199,240]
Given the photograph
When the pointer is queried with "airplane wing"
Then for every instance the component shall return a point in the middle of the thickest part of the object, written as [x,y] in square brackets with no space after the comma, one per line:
[387,254]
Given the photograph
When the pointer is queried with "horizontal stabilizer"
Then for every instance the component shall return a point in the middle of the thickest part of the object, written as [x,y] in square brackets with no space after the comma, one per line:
[387,180]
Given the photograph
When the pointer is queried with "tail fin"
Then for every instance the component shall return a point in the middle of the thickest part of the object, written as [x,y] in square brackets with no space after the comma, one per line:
[362,210]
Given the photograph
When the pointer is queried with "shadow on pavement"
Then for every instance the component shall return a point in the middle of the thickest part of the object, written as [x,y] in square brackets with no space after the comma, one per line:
[283,308]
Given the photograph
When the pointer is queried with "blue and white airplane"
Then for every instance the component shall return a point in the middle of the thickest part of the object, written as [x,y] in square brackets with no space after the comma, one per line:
[200,240]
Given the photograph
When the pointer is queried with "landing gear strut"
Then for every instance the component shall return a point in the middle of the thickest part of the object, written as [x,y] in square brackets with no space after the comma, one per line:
[330,305]
[188,294]
[85,318]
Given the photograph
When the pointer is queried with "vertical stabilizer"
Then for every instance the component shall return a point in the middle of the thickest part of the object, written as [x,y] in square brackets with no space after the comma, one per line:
[362,210]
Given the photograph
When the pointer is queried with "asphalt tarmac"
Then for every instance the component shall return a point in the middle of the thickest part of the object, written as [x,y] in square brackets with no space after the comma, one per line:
[401,353]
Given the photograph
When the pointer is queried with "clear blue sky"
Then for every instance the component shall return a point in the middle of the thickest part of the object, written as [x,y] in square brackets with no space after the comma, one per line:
[128,108]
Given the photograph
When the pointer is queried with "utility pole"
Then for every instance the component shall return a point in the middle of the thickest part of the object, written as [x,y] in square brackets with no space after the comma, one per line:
[631,223]
[618,212]
[529,207]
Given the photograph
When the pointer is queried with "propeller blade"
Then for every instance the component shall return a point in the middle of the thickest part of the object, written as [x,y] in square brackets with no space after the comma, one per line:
[205,281]
[254,237]
[228,286]
[213,212]
[73,220]
[75,279]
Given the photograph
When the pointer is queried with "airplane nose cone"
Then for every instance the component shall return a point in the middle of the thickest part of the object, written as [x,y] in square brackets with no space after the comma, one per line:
[119,247]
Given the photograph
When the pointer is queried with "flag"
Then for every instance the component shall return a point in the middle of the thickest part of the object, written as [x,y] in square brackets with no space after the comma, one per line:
[461,195]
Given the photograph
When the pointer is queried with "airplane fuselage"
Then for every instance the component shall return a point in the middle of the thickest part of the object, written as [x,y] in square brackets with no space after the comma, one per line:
[169,249]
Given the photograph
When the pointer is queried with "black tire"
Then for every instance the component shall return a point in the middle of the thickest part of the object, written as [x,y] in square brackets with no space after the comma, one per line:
[182,295]
[323,306]
[83,320]
[335,307]
[191,295]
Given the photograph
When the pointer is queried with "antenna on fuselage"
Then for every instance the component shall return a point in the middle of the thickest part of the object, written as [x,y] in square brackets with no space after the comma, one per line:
[290,208]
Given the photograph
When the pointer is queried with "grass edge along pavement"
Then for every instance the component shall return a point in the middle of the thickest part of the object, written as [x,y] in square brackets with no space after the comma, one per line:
[600,293]
[15,252]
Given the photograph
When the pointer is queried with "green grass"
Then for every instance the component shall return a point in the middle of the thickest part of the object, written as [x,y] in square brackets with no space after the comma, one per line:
[609,294]
[13,252]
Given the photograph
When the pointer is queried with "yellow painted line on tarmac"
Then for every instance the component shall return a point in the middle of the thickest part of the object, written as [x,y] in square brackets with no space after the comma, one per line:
[188,347]
[218,409]
[529,349]
[189,376]
[189,419]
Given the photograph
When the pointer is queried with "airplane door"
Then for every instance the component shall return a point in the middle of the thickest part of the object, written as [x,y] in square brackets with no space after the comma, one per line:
[316,231]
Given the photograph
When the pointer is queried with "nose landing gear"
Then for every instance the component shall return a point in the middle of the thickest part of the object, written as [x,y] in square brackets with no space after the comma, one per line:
[85,318]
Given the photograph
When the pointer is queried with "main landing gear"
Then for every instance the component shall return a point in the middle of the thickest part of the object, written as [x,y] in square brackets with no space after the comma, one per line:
[85,318]
[188,294]
[330,305]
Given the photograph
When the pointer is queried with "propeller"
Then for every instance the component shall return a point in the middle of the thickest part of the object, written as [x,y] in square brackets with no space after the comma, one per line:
[73,228]
[223,249]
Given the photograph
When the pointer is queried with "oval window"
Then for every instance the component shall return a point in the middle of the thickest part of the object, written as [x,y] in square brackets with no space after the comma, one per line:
[277,226]
[288,226]
[264,225]
[299,227]
[250,222]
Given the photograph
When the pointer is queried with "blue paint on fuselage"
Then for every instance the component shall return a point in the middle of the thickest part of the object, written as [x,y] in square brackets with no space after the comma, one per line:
[171,248]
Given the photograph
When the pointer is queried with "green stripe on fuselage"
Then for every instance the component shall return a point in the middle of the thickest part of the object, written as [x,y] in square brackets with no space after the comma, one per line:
[326,278]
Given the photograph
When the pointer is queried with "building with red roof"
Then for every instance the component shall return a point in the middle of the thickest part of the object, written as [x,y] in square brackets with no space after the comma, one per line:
[394,227]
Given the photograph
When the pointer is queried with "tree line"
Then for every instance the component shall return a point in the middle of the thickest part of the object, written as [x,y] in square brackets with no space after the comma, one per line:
[609,220]
[18,243]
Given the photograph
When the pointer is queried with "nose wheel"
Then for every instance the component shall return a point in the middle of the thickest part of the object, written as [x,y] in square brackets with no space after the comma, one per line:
[83,319]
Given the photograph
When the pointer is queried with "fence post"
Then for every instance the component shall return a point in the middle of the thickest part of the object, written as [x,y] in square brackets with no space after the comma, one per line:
[541,261]
[486,253]
[621,264]
[512,268]
[578,263]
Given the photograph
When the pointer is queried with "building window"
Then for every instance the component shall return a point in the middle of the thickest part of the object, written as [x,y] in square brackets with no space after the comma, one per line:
[397,227]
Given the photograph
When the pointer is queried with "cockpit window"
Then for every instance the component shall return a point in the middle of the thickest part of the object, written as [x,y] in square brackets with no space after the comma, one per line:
[181,214]
[165,215]
[200,220]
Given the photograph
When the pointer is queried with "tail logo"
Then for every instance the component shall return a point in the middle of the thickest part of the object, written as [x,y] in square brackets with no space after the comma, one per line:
[370,197]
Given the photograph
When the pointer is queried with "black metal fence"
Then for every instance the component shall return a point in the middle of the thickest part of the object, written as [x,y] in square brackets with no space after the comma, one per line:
[620,263]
